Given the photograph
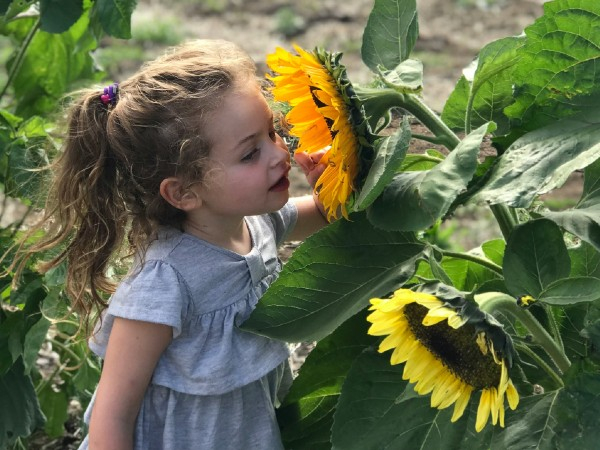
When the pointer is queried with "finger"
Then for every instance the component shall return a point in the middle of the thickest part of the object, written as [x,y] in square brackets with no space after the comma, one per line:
[304,161]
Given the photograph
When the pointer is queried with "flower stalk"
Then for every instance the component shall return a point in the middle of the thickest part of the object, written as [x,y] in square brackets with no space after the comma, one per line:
[497,301]
[473,258]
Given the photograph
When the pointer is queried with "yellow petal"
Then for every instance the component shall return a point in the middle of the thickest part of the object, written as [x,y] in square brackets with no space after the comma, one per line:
[512,395]
[483,410]
[461,403]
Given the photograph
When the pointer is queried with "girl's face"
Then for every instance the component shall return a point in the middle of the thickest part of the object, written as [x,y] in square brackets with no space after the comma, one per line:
[248,172]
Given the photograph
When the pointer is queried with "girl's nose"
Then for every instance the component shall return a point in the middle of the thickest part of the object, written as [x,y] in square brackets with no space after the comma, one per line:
[282,152]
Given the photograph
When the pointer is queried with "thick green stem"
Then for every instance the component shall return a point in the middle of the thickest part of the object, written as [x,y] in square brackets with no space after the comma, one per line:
[540,362]
[496,301]
[505,217]
[554,328]
[430,119]
[474,258]
[16,66]
[379,102]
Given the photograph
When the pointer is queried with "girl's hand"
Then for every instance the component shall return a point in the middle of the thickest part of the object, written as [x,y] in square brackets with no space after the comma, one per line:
[311,213]
[312,165]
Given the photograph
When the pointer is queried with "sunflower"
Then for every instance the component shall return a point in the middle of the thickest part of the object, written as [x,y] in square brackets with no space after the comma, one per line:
[450,349]
[323,113]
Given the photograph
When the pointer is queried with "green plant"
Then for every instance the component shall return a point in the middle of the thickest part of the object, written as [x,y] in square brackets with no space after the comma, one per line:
[50,47]
[536,96]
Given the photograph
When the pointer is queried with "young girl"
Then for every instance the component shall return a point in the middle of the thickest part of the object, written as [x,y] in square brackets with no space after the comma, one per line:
[182,162]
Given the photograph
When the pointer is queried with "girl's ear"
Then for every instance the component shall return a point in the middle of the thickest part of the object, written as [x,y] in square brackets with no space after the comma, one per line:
[171,190]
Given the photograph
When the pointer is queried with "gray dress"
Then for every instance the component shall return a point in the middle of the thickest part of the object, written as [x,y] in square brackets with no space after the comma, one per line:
[215,386]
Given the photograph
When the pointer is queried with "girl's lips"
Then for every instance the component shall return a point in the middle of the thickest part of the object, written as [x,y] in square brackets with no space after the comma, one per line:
[282,185]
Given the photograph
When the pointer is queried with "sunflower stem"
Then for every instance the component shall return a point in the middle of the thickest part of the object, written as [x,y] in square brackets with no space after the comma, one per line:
[444,135]
[540,362]
[474,258]
[379,101]
[554,328]
[497,301]
[506,218]
[431,139]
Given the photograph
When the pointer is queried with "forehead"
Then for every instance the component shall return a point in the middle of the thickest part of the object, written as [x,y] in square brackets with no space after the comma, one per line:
[243,112]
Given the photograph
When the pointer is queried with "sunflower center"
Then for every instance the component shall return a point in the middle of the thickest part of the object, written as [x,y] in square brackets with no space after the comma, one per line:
[457,349]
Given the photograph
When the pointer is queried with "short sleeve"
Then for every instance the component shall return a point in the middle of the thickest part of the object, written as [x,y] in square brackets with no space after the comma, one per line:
[284,221]
[156,293]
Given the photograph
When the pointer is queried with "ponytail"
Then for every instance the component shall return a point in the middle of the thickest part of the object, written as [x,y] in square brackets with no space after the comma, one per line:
[83,210]
[104,200]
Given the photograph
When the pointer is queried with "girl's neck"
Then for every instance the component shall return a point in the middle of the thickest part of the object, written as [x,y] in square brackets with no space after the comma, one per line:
[232,236]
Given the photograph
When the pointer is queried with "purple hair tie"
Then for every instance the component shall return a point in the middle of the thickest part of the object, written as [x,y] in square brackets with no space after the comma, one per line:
[110,94]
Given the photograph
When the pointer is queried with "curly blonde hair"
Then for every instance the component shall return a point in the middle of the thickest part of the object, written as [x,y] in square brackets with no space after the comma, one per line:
[104,198]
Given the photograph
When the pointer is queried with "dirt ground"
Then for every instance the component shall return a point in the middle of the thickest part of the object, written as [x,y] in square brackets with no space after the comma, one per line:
[451,31]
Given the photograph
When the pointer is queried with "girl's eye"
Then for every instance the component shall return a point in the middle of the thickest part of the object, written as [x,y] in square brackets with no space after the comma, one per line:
[273,135]
[252,155]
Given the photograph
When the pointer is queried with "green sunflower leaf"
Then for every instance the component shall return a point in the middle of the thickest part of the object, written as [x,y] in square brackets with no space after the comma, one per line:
[558,67]
[494,250]
[390,152]
[57,16]
[20,411]
[565,418]
[306,416]
[114,16]
[584,220]
[55,405]
[390,35]
[378,409]
[571,290]
[416,200]
[535,256]
[331,277]
[482,97]
[53,65]
[585,261]
[542,160]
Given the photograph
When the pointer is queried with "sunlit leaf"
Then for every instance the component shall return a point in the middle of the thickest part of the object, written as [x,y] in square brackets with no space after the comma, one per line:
[585,261]
[416,200]
[52,66]
[494,250]
[558,63]
[481,97]
[542,160]
[390,34]
[331,277]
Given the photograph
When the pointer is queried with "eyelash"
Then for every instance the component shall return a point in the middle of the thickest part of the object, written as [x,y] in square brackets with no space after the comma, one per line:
[255,152]
[251,156]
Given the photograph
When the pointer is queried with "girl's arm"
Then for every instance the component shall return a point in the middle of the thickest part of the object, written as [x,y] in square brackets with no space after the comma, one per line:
[311,215]
[134,348]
